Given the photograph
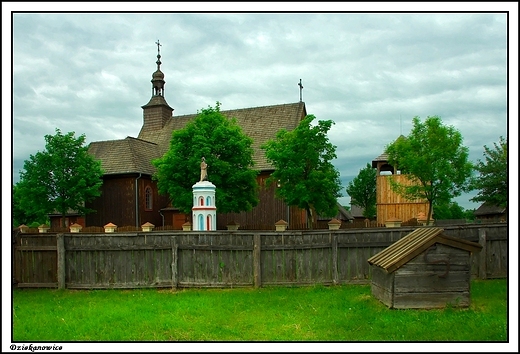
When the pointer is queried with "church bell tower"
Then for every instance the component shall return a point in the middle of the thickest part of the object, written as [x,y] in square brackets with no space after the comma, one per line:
[156,112]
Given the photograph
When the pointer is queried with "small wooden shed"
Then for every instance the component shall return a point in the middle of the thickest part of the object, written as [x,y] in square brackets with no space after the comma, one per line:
[424,269]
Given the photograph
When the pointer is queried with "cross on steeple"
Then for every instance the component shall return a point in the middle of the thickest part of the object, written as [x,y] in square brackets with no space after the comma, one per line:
[301,88]
[158,62]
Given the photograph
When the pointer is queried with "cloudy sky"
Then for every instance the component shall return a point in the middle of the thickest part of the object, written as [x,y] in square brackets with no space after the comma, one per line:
[370,73]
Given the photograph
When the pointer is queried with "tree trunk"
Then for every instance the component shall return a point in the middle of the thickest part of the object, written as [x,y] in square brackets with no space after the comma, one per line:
[310,218]
[430,209]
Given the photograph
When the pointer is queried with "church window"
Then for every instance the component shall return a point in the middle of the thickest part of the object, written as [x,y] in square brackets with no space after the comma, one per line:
[148,198]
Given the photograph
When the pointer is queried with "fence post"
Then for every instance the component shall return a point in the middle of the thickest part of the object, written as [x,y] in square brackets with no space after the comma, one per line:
[174,262]
[334,243]
[60,249]
[482,266]
[13,256]
[257,276]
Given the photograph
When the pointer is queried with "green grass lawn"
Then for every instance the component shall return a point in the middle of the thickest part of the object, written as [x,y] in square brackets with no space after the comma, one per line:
[316,313]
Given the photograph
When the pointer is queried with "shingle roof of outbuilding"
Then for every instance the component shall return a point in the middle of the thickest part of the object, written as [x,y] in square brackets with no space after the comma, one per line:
[413,244]
[489,209]
[356,211]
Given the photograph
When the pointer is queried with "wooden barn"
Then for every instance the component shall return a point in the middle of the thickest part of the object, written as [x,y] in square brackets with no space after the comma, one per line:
[425,269]
[129,195]
[390,205]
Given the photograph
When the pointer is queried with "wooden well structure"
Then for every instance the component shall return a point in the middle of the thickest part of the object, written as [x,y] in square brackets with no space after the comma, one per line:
[424,269]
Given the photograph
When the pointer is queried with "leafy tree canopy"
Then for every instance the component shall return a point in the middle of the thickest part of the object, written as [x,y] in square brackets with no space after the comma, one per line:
[362,191]
[303,169]
[59,179]
[450,210]
[469,214]
[492,179]
[25,216]
[435,160]
[228,154]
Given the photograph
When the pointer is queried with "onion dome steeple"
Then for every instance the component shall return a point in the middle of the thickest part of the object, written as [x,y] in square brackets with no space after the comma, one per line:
[157,112]
[158,77]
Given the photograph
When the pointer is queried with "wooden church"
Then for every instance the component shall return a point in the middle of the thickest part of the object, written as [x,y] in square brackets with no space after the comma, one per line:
[129,195]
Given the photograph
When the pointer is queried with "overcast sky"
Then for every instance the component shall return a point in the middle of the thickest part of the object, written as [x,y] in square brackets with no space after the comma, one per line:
[370,73]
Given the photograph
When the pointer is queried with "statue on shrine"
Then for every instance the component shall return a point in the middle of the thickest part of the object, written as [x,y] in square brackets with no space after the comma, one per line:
[203,170]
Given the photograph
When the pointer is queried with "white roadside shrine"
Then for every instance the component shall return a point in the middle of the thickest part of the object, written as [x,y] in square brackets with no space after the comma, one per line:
[204,209]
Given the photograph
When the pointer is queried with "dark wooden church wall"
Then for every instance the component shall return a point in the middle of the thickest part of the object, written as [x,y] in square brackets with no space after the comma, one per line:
[116,203]
[269,210]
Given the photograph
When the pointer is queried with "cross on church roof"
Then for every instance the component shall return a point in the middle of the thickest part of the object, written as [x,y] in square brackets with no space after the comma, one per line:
[158,62]
[301,88]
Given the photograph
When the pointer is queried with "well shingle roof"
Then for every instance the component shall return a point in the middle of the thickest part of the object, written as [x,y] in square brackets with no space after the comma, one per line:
[413,244]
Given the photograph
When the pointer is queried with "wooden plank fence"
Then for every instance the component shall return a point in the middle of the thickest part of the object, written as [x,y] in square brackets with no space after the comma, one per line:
[224,258]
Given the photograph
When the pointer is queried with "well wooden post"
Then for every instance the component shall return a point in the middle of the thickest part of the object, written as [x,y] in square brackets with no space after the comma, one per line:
[257,276]
[60,248]
[334,243]
[482,268]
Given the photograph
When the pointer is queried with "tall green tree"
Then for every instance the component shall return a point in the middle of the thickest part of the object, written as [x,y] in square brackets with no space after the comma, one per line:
[435,160]
[229,156]
[22,215]
[492,179]
[61,178]
[362,191]
[303,169]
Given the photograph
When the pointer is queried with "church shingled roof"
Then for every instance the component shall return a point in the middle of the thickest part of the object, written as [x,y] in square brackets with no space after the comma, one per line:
[134,155]
[259,123]
[129,155]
